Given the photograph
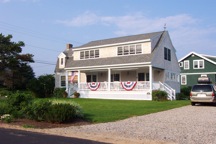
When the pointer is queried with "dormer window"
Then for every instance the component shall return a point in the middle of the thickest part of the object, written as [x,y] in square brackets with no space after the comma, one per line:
[129,49]
[62,61]
[89,54]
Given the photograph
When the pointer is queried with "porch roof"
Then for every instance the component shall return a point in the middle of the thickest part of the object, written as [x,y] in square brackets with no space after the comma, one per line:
[142,58]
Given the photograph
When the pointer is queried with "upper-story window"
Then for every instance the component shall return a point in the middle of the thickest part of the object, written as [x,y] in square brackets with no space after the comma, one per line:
[186,64]
[181,64]
[89,54]
[129,49]
[198,64]
[167,54]
[62,61]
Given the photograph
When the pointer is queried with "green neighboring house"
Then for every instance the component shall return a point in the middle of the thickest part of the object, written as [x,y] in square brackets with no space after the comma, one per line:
[194,65]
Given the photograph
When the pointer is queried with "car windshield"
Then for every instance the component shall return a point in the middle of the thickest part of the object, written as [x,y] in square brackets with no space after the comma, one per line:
[203,88]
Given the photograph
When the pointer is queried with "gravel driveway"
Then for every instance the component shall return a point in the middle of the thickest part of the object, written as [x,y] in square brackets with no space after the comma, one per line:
[186,125]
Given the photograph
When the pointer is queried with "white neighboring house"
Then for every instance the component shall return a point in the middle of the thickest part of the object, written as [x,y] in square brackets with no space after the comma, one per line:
[127,67]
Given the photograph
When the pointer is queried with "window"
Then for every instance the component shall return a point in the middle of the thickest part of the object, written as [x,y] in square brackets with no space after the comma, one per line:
[129,49]
[120,51]
[186,64]
[138,49]
[91,78]
[62,61]
[97,55]
[82,55]
[115,77]
[92,54]
[181,64]
[86,54]
[183,80]
[167,54]
[89,54]
[147,76]
[141,76]
[63,81]
[132,49]
[126,50]
[198,64]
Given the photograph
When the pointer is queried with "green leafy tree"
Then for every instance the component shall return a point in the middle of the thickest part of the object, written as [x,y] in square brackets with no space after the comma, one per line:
[43,86]
[15,71]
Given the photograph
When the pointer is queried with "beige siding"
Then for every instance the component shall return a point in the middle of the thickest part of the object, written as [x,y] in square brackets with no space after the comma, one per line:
[76,55]
[146,47]
[102,76]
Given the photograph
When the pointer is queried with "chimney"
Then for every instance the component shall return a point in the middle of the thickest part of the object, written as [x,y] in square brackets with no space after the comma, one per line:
[68,46]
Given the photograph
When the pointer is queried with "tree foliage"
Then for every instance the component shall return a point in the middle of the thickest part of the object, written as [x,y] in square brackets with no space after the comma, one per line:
[43,86]
[15,71]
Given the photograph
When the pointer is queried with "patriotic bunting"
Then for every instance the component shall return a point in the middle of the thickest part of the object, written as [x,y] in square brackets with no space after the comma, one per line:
[93,85]
[129,85]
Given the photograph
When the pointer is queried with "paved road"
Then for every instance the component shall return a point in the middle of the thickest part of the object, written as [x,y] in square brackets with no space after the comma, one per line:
[12,136]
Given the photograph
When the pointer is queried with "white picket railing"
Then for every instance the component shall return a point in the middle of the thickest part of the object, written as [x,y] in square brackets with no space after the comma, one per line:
[170,91]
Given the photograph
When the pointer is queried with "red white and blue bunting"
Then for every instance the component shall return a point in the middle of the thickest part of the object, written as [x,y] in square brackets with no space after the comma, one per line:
[129,85]
[93,85]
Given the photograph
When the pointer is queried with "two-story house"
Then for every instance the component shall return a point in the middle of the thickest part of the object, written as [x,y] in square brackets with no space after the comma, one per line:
[127,67]
[193,65]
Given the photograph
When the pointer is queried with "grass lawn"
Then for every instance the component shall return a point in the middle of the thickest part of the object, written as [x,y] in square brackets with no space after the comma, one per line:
[99,110]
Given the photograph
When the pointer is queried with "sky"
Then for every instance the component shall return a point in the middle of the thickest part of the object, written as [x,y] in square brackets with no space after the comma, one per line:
[46,26]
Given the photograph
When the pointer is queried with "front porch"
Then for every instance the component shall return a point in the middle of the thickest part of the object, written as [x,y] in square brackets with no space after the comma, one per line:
[132,83]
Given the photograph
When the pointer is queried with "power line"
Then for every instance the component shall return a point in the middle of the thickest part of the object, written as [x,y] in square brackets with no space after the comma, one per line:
[32,33]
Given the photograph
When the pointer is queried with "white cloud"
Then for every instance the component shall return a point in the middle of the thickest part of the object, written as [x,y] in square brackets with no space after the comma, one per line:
[186,32]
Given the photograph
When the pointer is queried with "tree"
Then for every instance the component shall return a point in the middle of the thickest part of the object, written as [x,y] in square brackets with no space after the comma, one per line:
[43,86]
[15,71]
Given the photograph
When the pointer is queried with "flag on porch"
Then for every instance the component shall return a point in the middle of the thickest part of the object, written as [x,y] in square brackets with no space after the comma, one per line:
[73,74]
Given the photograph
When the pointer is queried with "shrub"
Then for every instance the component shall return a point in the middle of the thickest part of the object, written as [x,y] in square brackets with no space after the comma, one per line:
[4,92]
[59,93]
[185,93]
[158,95]
[38,110]
[4,109]
[60,113]
[17,103]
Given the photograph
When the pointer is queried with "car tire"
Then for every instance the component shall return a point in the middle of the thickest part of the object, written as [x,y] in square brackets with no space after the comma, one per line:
[193,103]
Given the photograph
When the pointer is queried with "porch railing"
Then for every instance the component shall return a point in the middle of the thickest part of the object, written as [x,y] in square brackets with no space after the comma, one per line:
[170,91]
[116,86]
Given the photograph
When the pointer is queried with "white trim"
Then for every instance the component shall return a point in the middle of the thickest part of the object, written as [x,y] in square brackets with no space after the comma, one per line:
[188,64]
[185,79]
[198,64]
[201,56]
[198,73]
[112,66]
[115,44]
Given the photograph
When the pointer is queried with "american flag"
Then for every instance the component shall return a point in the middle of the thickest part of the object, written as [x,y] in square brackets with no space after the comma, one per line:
[73,74]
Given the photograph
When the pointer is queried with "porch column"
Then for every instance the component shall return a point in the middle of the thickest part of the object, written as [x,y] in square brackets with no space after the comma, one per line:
[66,83]
[109,78]
[78,79]
[150,78]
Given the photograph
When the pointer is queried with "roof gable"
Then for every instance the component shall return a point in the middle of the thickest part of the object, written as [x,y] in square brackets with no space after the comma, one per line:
[210,59]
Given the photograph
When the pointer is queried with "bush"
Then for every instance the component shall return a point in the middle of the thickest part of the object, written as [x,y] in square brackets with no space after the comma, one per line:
[60,113]
[4,109]
[4,92]
[6,118]
[38,110]
[158,95]
[59,93]
[17,103]
[185,93]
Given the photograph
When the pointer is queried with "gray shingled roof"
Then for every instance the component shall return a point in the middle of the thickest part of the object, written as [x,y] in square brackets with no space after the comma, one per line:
[110,61]
[120,39]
